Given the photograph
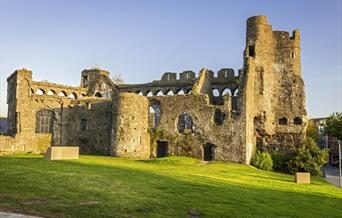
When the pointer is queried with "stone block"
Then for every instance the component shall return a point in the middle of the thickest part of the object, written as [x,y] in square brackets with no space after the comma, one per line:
[62,153]
[303,178]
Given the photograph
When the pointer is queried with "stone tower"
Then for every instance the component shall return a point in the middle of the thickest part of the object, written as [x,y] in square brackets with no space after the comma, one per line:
[130,136]
[18,99]
[274,89]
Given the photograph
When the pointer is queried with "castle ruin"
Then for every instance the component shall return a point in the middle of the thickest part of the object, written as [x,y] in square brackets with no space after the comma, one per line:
[214,116]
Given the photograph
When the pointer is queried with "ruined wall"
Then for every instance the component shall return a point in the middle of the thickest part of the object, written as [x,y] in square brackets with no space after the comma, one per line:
[227,136]
[130,136]
[69,107]
[87,124]
[232,115]
[97,83]
[21,116]
[275,100]
[203,83]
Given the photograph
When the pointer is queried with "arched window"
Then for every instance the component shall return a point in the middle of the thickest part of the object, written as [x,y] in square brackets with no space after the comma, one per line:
[297,121]
[62,94]
[151,110]
[40,92]
[283,121]
[155,113]
[44,121]
[235,92]
[185,123]
[72,95]
[51,92]
[216,93]
[98,95]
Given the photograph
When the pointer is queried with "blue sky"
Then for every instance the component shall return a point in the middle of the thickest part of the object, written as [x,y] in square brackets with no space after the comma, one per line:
[57,39]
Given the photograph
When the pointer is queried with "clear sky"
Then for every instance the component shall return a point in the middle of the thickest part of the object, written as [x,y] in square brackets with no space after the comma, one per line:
[57,39]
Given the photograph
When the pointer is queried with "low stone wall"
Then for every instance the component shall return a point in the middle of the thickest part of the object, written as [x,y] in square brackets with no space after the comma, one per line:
[37,143]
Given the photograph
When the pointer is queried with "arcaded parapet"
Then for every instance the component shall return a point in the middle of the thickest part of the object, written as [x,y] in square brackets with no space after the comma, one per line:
[130,136]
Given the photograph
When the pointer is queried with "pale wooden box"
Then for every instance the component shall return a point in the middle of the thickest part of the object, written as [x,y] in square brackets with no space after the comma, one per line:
[62,153]
[303,178]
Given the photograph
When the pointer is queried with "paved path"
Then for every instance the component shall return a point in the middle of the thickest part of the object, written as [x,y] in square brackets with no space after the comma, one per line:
[15,215]
[331,175]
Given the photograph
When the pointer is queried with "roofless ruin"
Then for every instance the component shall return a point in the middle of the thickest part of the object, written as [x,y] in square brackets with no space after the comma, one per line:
[212,116]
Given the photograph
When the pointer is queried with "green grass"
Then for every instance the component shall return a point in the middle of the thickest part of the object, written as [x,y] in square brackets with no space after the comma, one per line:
[166,187]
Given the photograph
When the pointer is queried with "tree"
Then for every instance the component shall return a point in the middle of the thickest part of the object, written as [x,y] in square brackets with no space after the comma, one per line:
[118,79]
[312,131]
[333,125]
[262,160]
[308,158]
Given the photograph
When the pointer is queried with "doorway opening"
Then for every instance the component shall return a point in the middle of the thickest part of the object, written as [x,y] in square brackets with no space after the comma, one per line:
[162,149]
[208,152]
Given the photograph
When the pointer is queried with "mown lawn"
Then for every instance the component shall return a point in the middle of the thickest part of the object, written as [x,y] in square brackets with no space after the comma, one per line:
[99,186]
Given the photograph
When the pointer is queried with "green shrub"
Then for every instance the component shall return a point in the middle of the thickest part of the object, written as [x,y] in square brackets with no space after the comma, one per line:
[280,161]
[262,160]
[308,158]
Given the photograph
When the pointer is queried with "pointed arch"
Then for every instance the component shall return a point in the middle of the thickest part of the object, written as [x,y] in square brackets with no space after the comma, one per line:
[72,95]
[62,94]
[180,92]
[51,92]
[98,95]
[40,92]
[149,94]
[170,92]
[226,91]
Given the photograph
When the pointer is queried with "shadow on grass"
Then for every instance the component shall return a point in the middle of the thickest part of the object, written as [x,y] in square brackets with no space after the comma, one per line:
[128,192]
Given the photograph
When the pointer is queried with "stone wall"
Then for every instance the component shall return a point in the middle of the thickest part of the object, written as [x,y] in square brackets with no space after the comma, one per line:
[24,143]
[227,136]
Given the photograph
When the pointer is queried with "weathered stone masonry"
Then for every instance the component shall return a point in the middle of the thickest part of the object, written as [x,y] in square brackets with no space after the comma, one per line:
[220,116]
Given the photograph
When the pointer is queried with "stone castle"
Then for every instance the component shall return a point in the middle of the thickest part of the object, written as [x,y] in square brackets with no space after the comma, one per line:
[224,116]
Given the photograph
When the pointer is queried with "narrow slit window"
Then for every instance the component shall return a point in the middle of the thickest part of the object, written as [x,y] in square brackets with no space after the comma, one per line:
[251,51]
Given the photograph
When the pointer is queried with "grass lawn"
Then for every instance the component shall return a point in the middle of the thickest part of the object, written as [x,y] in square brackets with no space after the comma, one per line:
[100,186]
